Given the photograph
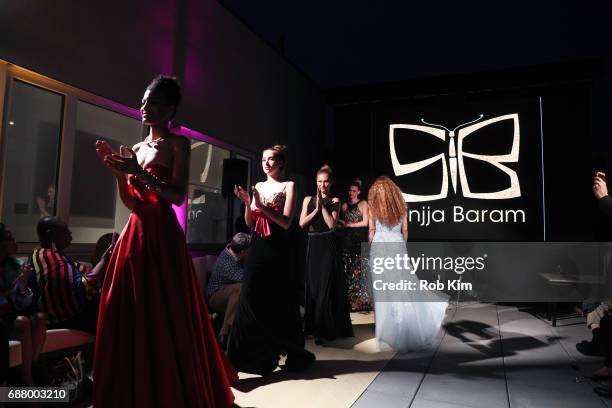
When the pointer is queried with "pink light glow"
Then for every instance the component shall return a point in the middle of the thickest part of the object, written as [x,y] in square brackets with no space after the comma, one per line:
[181,214]
[122,109]
[181,211]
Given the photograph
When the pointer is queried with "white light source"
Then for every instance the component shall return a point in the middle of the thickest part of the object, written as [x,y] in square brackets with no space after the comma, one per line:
[11,123]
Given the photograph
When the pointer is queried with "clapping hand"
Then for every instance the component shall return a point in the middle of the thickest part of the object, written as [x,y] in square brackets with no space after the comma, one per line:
[600,185]
[126,162]
[242,195]
[104,149]
[319,202]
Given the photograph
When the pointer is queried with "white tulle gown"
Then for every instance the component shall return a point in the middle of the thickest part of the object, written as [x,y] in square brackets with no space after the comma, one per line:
[411,325]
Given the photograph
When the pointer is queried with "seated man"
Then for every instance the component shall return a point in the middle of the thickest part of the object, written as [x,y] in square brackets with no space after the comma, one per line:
[67,290]
[223,289]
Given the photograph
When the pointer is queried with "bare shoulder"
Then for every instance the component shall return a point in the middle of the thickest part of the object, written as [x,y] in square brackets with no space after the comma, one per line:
[289,189]
[363,204]
[335,200]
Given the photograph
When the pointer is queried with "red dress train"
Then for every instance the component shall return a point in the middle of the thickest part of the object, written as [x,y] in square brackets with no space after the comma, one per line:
[155,345]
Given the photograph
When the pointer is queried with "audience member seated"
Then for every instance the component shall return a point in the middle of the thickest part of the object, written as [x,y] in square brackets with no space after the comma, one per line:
[599,320]
[223,289]
[23,324]
[595,347]
[68,291]
[102,245]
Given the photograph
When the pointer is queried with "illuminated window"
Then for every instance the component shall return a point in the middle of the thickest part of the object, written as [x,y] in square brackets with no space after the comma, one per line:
[33,125]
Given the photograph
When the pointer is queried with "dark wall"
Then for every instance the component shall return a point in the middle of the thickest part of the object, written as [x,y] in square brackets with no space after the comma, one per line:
[236,87]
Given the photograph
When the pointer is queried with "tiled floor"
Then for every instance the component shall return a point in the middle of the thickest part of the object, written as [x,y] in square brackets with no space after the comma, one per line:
[491,356]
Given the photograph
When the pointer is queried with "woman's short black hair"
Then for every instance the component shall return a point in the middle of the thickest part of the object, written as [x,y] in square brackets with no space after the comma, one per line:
[169,87]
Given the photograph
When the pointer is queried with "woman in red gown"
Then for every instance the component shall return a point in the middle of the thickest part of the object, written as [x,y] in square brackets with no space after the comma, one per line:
[155,346]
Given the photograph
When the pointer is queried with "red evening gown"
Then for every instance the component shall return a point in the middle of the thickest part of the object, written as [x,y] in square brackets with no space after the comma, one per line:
[155,345]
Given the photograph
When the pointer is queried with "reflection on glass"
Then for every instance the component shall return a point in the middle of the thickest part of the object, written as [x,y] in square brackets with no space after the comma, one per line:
[95,205]
[32,127]
[206,167]
[206,216]
[239,222]
[46,203]
[207,208]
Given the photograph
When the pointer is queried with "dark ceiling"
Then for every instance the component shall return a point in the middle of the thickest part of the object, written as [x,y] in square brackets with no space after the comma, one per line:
[347,43]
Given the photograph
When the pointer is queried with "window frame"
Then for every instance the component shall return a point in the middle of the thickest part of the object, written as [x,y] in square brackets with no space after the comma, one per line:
[10,72]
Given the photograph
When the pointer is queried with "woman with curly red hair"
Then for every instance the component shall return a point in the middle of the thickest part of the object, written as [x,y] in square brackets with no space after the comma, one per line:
[408,325]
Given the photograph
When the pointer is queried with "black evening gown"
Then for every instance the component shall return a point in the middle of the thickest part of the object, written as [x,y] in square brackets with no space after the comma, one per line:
[327,307]
[268,321]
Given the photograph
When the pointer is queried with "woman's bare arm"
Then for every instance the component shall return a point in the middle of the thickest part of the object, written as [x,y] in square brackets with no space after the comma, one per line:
[124,193]
[331,218]
[305,218]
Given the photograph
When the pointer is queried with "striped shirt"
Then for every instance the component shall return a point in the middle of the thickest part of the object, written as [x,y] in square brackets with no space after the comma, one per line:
[62,286]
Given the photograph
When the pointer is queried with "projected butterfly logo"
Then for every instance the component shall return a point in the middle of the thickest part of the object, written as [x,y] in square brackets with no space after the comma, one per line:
[453,164]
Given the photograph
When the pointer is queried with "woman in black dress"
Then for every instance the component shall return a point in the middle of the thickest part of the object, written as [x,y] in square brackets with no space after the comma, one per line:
[268,322]
[327,310]
[354,220]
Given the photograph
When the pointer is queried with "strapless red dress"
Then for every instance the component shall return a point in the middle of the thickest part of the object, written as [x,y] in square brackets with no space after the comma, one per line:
[155,345]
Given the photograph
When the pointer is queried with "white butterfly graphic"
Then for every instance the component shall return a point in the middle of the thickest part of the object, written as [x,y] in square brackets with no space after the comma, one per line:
[455,159]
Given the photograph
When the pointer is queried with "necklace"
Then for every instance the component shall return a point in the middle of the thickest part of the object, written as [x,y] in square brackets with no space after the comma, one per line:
[154,143]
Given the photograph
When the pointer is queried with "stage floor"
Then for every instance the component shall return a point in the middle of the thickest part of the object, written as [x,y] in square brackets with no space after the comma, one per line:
[486,356]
